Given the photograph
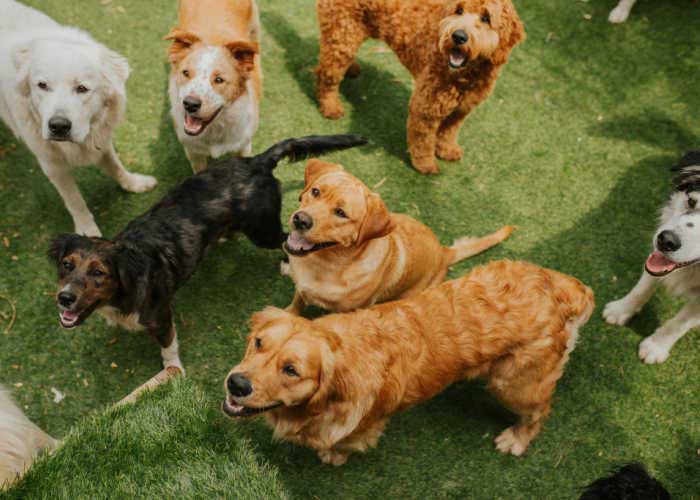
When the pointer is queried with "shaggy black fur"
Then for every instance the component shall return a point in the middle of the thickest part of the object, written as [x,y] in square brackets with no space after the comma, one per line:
[157,252]
[688,168]
[631,482]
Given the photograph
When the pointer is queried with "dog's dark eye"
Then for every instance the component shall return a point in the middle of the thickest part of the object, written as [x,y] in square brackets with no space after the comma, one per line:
[485,18]
[43,85]
[96,273]
[258,343]
[341,213]
[692,202]
[186,73]
[290,370]
[218,79]
[315,193]
[81,89]
[68,265]
[459,11]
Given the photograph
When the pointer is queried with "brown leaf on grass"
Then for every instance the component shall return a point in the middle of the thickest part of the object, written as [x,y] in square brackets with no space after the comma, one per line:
[113,365]
[382,49]
[113,341]
[5,242]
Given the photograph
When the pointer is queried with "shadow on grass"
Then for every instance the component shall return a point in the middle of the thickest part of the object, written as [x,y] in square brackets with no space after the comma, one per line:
[375,89]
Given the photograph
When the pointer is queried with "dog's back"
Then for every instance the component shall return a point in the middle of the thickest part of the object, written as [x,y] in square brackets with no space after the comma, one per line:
[17,17]
[20,440]
[217,22]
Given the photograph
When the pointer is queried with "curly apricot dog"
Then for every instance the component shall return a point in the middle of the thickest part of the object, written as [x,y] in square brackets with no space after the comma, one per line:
[453,49]
[332,383]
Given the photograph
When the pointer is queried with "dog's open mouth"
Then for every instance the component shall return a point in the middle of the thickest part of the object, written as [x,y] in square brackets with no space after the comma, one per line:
[195,125]
[297,245]
[457,58]
[659,265]
[234,410]
[71,319]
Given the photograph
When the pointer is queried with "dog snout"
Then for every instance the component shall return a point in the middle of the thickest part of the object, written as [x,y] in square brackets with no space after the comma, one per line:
[302,221]
[460,37]
[239,385]
[192,104]
[60,126]
[668,241]
[66,299]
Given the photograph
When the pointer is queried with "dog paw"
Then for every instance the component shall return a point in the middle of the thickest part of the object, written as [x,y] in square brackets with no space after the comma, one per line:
[618,312]
[333,457]
[167,363]
[426,166]
[652,352]
[138,183]
[331,108]
[449,152]
[618,15]
[507,442]
[87,227]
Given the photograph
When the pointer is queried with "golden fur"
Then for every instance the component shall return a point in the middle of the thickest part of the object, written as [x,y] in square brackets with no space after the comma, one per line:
[377,255]
[20,441]
[420,33]
[332,383]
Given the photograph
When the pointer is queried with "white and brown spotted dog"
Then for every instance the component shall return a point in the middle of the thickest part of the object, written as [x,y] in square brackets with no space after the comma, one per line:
[216,79]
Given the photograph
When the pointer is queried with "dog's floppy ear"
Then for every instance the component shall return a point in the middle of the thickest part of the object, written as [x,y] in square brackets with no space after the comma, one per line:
[267,315]
[21,58]
[63,244]
[330,382]
[377,222]
[510,33]
[244,53]
[315,168]
[182,42]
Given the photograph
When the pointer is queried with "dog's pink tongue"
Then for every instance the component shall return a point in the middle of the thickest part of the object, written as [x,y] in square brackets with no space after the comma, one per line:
[69,316]
[658,264]
[296,241]
[193,124]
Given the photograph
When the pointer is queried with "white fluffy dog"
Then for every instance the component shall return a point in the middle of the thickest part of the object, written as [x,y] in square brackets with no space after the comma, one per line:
[62,93]
[620,13]
[676,250]
[20,441]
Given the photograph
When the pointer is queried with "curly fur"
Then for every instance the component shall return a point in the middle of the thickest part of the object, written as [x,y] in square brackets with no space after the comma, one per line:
[421,33]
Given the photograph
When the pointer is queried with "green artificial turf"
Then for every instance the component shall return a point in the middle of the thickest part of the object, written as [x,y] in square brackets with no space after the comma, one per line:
[573,147]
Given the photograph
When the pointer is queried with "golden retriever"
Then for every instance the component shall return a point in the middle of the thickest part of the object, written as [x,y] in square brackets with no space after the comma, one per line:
[332,383]
[347,251]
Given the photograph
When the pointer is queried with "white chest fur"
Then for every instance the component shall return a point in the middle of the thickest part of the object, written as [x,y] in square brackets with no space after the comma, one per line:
[114,317]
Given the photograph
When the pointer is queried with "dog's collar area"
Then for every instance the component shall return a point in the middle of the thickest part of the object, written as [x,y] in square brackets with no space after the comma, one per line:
[234,410]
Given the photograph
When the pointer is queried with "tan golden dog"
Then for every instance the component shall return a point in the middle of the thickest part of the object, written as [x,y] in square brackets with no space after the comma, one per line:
[332,383]
[216,80]
[347,251]
[454,49]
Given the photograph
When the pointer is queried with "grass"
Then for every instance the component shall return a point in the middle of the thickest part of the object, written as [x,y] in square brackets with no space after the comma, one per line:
[572,147]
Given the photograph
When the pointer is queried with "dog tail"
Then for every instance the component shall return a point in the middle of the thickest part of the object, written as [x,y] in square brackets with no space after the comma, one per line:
[20,441]
[311,145]
[469,246]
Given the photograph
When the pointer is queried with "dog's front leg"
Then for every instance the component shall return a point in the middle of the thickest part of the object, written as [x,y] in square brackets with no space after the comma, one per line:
[297,305]
[166,335]
[423,122]
[657,347]
[112,166]
[447,147]
[64,182]
[620,311]
[198,162]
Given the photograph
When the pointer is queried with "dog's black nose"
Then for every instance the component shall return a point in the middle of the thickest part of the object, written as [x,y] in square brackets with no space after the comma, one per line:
[60,126]
[668,241]
[239,385]
[66,299]
[192,104]
[302,221]
[460,37]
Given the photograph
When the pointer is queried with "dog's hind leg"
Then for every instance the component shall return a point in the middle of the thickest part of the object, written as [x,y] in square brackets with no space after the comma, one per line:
[618,312]
[129,181]
[657,347]
[341,37]
[620,13]
[64,182]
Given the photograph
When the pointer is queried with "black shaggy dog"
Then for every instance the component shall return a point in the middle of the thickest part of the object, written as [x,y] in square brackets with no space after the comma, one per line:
[131,279]
[631,482]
